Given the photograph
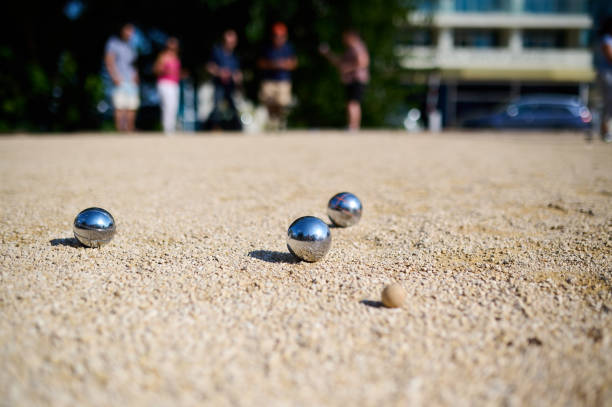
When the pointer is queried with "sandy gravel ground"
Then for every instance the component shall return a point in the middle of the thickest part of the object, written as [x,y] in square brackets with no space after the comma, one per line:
[502,242]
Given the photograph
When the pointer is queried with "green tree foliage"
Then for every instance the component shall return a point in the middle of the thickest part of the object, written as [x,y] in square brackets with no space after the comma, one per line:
[50,79]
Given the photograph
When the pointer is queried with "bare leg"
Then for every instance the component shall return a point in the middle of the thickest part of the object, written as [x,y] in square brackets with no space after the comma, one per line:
[283,113]
[130,120]
[273,116]
[120,120]
[274,110]
[353,109]
[606,127]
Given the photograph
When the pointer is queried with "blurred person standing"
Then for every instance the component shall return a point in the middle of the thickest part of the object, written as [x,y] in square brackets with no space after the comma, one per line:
[353,66]
[168,70]
[276,63]
[119,58]
[224,66]
[604,76]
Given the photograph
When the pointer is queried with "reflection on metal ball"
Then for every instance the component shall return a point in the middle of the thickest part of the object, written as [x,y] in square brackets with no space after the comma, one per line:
[344,209]
[308,238]
[94,227]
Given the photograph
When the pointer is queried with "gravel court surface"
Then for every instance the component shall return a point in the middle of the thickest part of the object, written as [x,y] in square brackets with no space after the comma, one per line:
[503,243]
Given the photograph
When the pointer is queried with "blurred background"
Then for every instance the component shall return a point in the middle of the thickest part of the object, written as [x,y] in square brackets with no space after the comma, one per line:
[435,64]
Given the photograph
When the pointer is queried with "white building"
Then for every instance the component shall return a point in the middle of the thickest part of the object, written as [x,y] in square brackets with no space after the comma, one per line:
[488,51]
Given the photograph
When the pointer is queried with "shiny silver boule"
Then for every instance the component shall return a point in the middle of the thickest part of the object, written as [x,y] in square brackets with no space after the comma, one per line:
[308,238]
[344,209]
[94,227]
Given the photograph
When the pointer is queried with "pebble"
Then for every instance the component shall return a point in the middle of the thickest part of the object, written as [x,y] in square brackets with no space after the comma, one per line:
[393,296]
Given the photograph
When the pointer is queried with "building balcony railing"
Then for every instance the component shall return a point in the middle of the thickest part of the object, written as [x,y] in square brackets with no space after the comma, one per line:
[492,59]
[502,20]
[488,6]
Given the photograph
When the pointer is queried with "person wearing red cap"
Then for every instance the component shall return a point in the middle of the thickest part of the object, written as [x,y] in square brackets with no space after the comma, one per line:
[276,63]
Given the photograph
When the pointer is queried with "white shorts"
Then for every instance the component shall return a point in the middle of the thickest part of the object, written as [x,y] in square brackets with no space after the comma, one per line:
[275,93]
[125,96]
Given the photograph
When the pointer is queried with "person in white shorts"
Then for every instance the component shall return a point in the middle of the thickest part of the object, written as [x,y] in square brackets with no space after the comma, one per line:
[276,63]
[119,58]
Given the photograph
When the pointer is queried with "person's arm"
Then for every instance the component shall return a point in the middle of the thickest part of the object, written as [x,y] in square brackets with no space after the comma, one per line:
[289,64]
[363,59]
[212,68]
[331,57]
[224,74]
[334,59]
[158,66]
[109,61]
[185,73]
[237,76]
[606,49]
[264,63]
[346,66]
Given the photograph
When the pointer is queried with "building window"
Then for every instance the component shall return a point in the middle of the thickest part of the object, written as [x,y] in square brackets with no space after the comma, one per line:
[544,38]
[428,6]
[556,6]
[479,38]
[481,5]
[584,38]
[416,37]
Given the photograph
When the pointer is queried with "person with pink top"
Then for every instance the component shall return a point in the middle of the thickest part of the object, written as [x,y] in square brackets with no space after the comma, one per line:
[168,70]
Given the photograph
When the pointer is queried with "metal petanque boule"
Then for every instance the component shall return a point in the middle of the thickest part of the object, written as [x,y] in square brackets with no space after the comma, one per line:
[94,227]
[309,238]
[344,209]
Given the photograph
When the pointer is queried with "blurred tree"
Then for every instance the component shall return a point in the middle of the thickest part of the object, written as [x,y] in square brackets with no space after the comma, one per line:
[51,57]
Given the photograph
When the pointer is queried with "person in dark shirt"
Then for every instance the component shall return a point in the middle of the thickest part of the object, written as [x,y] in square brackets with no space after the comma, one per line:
[276,63]
[224,66]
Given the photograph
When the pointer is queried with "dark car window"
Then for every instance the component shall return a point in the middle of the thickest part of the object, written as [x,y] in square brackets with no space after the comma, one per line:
[553,110]
[526,109]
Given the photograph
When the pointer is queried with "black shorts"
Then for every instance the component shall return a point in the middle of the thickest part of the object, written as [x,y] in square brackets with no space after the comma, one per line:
[354,91]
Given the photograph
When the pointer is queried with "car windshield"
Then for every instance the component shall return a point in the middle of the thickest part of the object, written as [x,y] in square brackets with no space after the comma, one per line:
[554,110]
[518,109]
[515,109]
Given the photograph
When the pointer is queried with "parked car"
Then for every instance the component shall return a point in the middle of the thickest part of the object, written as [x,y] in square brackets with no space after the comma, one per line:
[538,112]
